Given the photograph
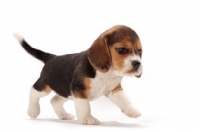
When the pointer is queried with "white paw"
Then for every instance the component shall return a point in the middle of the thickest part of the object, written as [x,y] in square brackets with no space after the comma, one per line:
[66,116]
[33,110]
[90,120]
[131,112]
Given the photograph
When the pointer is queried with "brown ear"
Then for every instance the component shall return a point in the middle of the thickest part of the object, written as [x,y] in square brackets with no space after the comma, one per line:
[138,76]
[99,54]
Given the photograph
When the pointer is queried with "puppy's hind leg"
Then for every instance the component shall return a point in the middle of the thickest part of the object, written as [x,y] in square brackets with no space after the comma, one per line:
[57,103]
[35,94]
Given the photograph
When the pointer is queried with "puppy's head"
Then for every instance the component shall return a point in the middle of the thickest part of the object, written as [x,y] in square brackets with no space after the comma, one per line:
[117,49]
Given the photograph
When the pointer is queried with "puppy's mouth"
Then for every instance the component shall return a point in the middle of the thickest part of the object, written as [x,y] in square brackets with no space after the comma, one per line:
[130,72]
[136,72]
[133,71]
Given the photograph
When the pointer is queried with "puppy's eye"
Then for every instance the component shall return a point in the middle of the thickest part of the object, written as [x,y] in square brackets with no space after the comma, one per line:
[139,51]
[122,50]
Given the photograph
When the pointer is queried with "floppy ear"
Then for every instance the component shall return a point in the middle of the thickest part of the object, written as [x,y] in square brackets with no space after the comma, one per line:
[99,54]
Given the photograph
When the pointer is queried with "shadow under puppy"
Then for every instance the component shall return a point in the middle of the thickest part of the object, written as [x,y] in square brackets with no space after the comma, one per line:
[87,75]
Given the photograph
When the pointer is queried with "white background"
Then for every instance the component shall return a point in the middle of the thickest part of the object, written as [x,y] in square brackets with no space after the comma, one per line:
[167,95]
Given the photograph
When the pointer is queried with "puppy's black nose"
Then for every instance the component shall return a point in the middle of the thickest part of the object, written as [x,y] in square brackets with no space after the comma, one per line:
[136,64]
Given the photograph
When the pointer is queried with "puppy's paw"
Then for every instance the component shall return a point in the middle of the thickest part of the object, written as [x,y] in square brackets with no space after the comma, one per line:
[89,120]
[33,110]
[66,116]
[131,112]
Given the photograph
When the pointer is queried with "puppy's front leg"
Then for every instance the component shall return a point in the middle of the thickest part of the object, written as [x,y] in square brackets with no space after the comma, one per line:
[83,112]
[118,97]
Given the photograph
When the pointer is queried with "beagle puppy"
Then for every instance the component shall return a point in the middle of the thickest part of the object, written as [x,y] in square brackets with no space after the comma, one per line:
[85,76]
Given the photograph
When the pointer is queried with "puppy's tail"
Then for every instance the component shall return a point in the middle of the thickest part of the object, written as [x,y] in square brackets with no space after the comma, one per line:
[41,55]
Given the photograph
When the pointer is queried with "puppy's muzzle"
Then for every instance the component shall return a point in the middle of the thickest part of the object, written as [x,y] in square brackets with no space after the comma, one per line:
[136,64]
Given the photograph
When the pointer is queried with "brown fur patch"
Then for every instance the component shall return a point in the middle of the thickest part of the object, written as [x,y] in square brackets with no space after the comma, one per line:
[111,30]
[137,46]
[118,59]
[47,89]
[117,89]
[84,93]
[98,54]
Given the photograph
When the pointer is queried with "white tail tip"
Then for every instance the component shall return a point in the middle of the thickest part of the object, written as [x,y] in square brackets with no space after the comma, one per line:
[17,36]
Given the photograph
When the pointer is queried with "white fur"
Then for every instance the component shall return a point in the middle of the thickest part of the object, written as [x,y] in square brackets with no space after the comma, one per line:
[57,104]
[83,112]
[17,36]
[103,83]
[34,106]
[122,102]
[128,66]
[128,63]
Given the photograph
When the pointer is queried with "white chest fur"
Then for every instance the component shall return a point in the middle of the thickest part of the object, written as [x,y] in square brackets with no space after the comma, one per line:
[103,83]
